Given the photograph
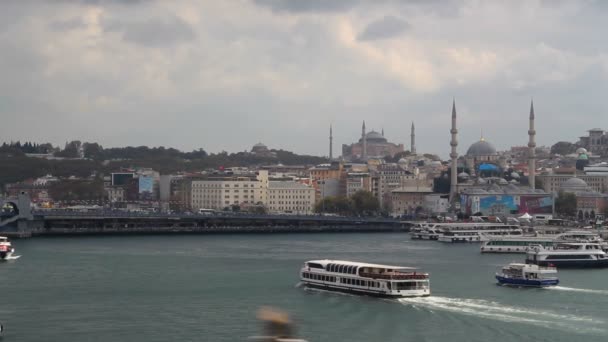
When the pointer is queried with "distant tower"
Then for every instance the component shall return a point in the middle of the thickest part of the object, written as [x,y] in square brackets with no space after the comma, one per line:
[413,137]
[382,131]
[453,155]
[531,150]
[364,154]
[331,146]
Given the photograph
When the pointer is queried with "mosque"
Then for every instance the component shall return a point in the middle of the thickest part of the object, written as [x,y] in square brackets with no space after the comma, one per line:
[483,189]
[371,145]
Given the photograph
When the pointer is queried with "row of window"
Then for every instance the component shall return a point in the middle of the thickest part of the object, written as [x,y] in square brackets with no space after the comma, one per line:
[337,268]
[346,281]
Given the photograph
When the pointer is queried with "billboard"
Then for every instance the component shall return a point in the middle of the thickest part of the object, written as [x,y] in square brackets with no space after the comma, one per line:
[146,184]
[536,204]
[504,205]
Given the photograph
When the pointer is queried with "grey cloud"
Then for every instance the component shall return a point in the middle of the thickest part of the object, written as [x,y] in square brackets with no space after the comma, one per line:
[67,25]
[299,6]
[154,32]
[387,27]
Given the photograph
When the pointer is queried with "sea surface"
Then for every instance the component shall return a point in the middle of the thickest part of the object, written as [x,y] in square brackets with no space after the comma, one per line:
[209,287]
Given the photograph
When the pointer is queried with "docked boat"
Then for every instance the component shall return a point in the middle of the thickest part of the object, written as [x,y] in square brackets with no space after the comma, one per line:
[530,275]
[6,249]
[571,254]
[478,234]
[365,279]
[519,244]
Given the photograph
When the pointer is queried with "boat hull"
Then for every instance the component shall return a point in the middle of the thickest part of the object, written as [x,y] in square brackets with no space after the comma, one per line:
[526,282]
[595,263]
[361,292]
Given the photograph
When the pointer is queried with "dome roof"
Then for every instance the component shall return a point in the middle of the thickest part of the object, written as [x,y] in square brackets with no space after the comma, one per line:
[374,137]
[581,150]
[573,185]
[259,147]
[481,148]
[402,161]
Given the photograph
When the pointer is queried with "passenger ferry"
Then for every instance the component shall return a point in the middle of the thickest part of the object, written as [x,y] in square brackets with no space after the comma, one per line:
[532,275]
[6,249]
[478,234]
[519,244]
[365,279]
[434,231]
[572,254]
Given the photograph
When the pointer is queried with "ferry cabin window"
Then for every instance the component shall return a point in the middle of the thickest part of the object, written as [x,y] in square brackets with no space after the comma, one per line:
[563,257]
[341,269]
[315,265]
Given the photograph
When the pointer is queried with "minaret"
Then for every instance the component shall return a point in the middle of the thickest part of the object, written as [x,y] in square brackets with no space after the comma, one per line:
[364,138]
[453,155]
[532,150]
[413,140]
[331,147]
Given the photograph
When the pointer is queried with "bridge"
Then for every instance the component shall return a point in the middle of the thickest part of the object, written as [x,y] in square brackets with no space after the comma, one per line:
[25,222]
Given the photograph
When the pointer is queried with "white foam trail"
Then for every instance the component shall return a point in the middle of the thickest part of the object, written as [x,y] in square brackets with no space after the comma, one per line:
[494,310]
[574,289]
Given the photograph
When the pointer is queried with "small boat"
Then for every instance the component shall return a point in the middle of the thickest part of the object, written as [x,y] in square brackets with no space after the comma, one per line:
[516,274]
[6,250]
[365,279]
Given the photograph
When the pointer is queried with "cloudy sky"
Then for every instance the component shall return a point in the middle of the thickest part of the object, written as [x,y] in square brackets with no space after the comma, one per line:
[223,75]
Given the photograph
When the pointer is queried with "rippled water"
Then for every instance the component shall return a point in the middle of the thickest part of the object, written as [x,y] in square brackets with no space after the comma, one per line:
[207,288]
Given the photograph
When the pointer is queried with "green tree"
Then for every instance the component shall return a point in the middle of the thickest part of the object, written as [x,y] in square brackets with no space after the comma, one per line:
[335,204]
[563,147]
[565,204]
[365,203]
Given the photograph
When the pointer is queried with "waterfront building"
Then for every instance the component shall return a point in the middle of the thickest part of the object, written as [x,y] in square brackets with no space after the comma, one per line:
[505,200]
[357,181]
[436,203]
[596,141]
[409,200]
[552,183]
[220,192]
[370,145]
[289,197]
[390,177]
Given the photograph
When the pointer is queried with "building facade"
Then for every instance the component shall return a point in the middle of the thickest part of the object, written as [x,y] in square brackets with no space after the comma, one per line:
[288,197]
[409,200]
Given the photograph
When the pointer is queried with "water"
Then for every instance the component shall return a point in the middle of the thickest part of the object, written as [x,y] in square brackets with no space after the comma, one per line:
[208,288]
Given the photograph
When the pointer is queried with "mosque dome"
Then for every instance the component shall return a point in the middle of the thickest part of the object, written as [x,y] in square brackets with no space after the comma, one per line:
[402,161]
[581,150]
[574,185]
[481,148]
[259,147]
[374,137]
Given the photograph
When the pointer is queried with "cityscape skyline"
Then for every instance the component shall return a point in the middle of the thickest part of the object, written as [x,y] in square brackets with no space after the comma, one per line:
[223,76]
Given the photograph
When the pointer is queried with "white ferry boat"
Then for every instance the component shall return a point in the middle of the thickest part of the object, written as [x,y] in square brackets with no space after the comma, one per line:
[6,249]
[519,244]
[573,254]
[434,231]
[365,279]
[479,233]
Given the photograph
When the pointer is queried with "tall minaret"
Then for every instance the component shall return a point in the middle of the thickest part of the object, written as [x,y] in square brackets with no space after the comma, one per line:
[331,146]
[532,150]
[364,155]
[453,155]
[413,141]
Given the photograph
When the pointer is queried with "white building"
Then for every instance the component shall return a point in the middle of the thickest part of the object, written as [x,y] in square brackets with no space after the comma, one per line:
[290,197]
[218,193]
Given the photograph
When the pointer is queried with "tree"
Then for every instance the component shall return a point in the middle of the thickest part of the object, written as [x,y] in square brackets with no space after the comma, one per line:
[563,147]
[365,203]
[335,204]
[565,204]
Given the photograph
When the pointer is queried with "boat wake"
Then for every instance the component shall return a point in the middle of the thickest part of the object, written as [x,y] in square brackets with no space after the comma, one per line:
[12,257]
[574,289]
[506,313]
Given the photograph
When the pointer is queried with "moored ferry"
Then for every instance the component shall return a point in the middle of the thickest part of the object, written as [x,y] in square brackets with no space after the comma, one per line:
[478,234]
[573,254]
[365,279]
[435,231]
[519,244]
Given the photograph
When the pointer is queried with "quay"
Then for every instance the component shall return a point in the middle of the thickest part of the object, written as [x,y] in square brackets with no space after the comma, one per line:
[29,223]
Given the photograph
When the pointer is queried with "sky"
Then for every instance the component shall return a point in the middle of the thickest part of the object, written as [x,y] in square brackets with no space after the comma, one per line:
[224,75]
